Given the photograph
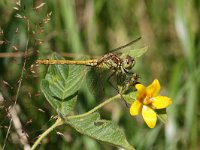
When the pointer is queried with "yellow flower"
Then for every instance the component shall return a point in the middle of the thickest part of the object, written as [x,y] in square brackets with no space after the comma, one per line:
[147,100]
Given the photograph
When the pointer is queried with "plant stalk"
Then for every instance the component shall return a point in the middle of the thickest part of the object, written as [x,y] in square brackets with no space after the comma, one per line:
[95,108]
[58,122]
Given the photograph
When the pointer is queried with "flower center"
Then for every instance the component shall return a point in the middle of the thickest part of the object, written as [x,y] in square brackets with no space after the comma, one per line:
[147,100]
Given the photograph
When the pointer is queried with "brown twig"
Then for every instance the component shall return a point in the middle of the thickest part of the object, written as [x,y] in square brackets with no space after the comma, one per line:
[14,54]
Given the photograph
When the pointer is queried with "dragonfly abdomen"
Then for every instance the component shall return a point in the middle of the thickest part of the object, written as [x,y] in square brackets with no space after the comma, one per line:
[92,62]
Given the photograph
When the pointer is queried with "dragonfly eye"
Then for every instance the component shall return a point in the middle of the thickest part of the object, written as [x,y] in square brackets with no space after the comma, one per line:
[129,62]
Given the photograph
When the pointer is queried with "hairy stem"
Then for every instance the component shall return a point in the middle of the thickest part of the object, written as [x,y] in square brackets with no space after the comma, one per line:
[58,122]
[95,108]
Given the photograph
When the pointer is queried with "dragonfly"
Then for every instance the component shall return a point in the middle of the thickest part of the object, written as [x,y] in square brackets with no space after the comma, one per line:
[120,65]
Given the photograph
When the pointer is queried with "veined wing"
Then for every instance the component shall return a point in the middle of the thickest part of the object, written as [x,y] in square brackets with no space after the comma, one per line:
[126,45]
[133,52]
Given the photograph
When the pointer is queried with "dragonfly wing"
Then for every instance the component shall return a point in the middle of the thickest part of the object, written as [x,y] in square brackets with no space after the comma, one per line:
[94,83]
[98,84]
[135,52]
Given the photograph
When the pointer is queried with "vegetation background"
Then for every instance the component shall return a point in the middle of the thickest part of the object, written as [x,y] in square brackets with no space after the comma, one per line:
[169,28]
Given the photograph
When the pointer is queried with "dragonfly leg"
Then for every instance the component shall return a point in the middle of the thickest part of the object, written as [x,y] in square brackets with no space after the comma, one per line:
[124,101]
[109,79]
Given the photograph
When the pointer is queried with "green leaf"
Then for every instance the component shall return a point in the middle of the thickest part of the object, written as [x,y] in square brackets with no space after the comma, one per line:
[61,85]
[102,130]
[130,97]
[162,115]
[136,52]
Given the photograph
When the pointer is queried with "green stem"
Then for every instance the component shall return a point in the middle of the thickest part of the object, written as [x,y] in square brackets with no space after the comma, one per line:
[95,108]
[58,122]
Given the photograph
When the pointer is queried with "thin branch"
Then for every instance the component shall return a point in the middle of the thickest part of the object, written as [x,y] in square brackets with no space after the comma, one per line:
[95,108]
[43,135]
[19,86]
[18,127]
[14,54]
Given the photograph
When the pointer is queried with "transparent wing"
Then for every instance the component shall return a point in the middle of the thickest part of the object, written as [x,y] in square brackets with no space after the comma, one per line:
[98,83]
[125,45]
[135,52]
[131,52]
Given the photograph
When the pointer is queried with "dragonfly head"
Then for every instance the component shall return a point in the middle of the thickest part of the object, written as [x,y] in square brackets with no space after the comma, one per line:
[128,63]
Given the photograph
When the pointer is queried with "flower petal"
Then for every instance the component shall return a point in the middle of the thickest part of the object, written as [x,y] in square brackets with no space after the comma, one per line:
[153,89]
[141,91]
[160,102]
[135,108]
[149,116]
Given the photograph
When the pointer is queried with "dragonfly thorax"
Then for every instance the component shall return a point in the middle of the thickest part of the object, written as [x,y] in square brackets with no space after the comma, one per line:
[110,61]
